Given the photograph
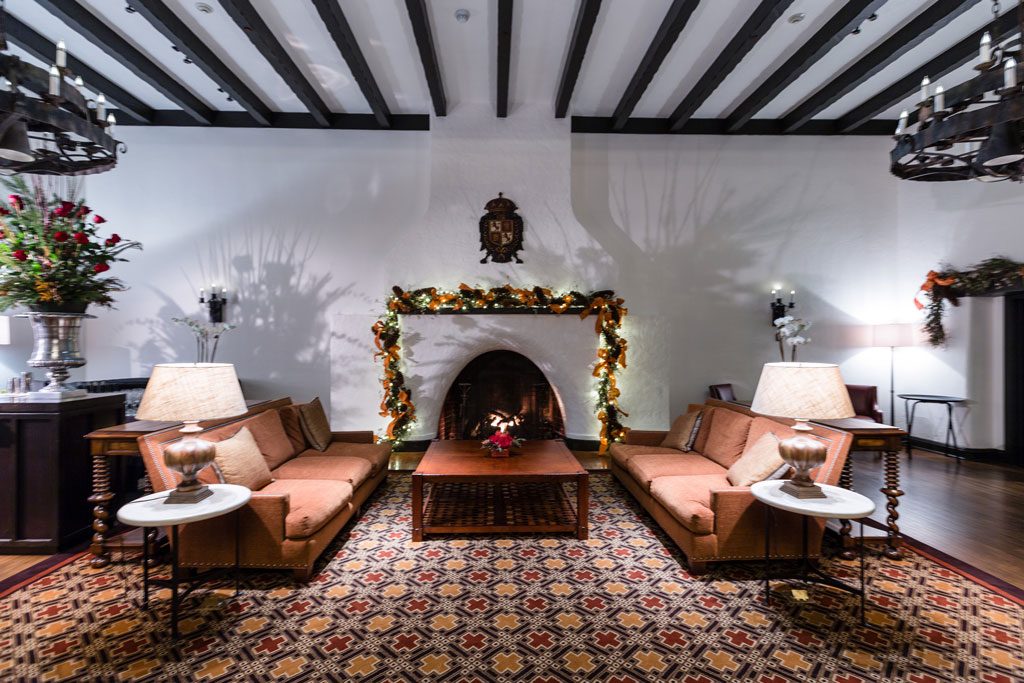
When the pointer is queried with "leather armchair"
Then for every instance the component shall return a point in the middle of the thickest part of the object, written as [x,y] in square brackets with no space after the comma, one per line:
[864,398]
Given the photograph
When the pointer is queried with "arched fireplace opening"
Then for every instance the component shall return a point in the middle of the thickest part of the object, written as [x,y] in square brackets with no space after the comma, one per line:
[501,387]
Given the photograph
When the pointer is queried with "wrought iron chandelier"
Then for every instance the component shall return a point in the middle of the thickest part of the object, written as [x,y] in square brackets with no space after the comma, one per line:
[47,126]
[974,130]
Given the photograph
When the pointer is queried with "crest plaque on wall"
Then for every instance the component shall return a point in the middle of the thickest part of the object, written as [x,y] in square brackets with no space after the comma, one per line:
[501,231]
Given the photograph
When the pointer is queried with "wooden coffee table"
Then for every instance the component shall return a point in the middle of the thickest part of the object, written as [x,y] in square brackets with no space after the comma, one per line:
[471,492]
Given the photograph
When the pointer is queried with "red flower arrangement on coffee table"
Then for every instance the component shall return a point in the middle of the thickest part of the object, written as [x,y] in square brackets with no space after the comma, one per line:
[500,443]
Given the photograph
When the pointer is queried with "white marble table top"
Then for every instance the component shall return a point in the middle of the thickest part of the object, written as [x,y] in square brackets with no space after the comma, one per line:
[152,511]
[838,503]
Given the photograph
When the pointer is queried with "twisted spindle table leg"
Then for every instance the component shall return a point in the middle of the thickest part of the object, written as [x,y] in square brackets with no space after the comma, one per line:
[892,493]
[100,498]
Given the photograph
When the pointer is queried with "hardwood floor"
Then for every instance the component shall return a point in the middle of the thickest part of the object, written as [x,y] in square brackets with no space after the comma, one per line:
[971,511]
[12,564]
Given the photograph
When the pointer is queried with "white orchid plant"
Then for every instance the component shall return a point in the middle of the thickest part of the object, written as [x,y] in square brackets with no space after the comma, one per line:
[789,331]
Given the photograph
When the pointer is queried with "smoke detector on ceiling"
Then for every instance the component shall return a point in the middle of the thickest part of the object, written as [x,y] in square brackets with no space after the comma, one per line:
[204,8]
[462,15]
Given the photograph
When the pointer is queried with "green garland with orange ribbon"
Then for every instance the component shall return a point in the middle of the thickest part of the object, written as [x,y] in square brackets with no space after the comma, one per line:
[611,355]
[989,276]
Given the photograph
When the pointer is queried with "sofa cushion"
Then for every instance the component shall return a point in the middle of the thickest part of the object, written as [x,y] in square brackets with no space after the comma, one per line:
[727,437]
[377,454]
[683,432]
[269,433]
[292,427]
[240,461]
[759,461]
[311,503]
[706,422]
[622,453]
[688,499]
[328,467]
[763,425]
[646,468]
[315,426]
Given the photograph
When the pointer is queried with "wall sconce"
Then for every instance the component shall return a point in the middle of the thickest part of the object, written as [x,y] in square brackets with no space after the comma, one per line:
[215,304]
[779,307]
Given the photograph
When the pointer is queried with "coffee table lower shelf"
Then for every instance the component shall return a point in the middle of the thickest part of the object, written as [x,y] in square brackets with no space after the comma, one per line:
[498,507]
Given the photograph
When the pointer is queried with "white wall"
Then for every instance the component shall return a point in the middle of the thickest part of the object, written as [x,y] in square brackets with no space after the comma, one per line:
[310,227]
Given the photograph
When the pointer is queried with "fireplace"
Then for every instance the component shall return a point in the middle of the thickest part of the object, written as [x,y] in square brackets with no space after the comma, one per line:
[501,389]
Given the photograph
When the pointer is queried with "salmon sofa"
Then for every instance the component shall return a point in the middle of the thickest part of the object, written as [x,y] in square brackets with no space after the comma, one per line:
[690,497]
[290,521]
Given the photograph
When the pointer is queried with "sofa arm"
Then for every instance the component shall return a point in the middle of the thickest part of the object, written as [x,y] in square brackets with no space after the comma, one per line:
[353,437]
[730,506]
[640,437]
[270,510]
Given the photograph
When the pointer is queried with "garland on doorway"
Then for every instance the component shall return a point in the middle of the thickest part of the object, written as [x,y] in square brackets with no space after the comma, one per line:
[991,275]
[611,356]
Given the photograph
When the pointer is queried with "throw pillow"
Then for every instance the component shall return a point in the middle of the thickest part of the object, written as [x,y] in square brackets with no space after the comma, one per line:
[761,461]
[240,461]
[269,433]
[315,426]
[684,431]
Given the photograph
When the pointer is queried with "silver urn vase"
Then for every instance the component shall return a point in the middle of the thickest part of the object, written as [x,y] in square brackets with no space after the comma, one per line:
[57,350]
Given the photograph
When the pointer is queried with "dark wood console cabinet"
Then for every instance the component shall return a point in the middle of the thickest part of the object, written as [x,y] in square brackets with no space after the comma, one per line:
[46,471]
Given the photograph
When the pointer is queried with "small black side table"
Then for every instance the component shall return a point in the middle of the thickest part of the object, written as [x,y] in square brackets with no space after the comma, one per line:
[152,511]
[910,403]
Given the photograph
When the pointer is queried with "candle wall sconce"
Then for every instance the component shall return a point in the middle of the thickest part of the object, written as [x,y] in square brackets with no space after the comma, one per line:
[215,304]
[780,307]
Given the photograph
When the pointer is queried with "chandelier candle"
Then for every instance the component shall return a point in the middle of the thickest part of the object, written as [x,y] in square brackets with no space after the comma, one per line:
[940,98]
[902,125]
[1010,73]
[925,82]
[101,108]
[62,55]
[985,53]
[54,81]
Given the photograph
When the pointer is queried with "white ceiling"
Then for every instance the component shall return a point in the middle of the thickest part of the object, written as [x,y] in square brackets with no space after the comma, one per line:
[540,37]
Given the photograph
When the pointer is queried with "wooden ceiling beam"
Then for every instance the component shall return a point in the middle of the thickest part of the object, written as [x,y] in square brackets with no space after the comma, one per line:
[417,10]
[962,53]
[107,39]
[851,15]
[42,49]
[174,29]
[753,29]
[586,17]
[340,30]
[912,34]
[673,23]
[504,56]
[248,19]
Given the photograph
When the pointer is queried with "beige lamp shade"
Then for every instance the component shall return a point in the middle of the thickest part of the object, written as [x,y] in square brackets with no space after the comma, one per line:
[806,391]
[179,392]
[898,334]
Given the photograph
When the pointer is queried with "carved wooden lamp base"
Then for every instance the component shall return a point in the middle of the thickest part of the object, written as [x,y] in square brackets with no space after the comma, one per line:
[803,454]
[188,457]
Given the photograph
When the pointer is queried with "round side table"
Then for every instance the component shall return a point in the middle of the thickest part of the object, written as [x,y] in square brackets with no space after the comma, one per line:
[838,503]
[153,511]
[910,403]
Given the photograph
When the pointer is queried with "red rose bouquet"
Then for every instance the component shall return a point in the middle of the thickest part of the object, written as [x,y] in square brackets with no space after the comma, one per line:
[499,444]
[52,256]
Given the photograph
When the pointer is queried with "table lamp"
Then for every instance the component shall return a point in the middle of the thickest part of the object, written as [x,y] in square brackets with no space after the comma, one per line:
[802,391]
[188,393]
[896,334]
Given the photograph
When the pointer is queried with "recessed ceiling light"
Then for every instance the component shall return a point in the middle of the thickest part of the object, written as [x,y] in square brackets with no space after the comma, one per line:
[204,8]
[462,15]
[797,18]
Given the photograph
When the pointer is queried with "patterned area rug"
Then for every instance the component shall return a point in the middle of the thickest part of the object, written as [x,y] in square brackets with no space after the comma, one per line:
[616,608]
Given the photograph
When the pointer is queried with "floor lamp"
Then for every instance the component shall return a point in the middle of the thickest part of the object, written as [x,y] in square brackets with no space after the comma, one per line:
[897,334]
